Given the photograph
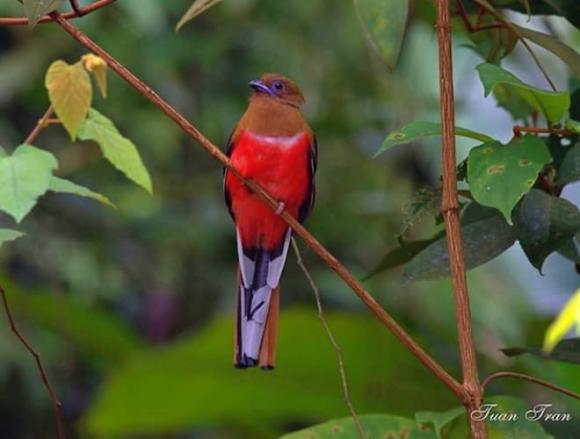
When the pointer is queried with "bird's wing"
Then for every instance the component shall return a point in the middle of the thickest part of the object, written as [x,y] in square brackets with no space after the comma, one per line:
[308,202]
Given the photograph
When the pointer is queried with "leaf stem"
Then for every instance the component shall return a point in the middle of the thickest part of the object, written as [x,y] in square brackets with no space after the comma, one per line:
[519,129]
[57,404]
[524,377]
[310,240]
[333,341]
[75,13]
[42,123]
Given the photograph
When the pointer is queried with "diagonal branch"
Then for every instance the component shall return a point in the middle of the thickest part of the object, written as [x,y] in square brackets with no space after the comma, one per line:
[333,341]
[524,377]
[310,240]
[57,404]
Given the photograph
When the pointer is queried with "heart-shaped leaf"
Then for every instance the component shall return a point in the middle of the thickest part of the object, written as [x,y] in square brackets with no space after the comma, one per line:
[70,92]
[119,150]
[24,176]
[553,105]
[569,171]
[36,9]
[499,175]
[384,23]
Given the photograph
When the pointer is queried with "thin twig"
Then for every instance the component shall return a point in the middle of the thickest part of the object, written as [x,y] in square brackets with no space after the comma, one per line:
[310,240]
[40,125]
[489,8]
[19,21]
[333,341]
[57,404]
[519,129]
[450,210]
[524,377]
[74,4]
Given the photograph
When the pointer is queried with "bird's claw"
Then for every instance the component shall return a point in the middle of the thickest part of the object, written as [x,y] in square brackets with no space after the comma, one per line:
[280,208]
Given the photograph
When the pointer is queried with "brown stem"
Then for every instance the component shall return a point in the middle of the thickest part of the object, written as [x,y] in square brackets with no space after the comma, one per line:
[519,129]
[450,209]
[74,4]
[310,240]
[40,125]
[57,404]
[524,377]
[79,12]
[333,341]
[478,26]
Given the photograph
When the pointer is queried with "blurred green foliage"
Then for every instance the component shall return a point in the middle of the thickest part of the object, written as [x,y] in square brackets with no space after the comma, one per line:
[132,308]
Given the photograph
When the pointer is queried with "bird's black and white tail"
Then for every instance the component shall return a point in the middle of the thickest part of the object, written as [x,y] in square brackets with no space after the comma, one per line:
[258,302]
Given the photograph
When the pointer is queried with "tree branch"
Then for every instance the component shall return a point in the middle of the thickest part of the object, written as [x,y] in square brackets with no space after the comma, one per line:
[310,240]
[39,366]
[524,377]
[75,13]
[333,341]
[518,130]
[450,209]
[42,123]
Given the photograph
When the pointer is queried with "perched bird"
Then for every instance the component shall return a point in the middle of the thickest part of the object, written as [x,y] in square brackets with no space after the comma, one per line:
[272,145]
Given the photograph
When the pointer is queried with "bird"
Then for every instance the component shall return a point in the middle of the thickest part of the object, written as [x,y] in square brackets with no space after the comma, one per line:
[274,146]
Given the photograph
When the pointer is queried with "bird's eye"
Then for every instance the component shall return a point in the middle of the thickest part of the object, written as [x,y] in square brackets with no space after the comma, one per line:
[278,86]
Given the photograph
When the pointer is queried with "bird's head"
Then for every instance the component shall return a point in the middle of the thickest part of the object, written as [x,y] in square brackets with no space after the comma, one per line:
[277,87]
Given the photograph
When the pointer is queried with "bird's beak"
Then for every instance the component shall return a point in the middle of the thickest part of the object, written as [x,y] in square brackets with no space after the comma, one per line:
[259,86]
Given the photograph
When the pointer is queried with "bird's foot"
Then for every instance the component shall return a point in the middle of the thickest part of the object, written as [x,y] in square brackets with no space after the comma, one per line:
[280,208]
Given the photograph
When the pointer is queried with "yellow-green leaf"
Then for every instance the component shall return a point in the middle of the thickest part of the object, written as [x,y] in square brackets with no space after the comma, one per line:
[35,9]
[98,67]
[564,323]
[119,150]
[70,92]
[68,187]
[24,176]
[198,7]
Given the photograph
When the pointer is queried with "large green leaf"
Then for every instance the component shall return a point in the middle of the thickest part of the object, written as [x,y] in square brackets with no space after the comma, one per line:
[544,223]
[553,105]
[24,176]
[119,150]
[567,350]
[438,419]
[197,376]
[499,175]
[419,130]
[94,332]
[63,186]
[35,9]
[7,235]
[484,237]
[375,427]
[554,45]
[569,171]
[384,23]
[70,92]
[197,7]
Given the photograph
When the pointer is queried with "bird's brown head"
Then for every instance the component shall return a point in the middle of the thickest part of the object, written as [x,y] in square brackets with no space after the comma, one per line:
[276,86]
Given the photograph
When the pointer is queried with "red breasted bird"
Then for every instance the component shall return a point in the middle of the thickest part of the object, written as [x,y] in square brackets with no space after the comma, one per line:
[272,145]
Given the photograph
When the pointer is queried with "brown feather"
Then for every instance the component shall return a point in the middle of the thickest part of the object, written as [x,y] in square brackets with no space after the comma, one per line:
[267,359]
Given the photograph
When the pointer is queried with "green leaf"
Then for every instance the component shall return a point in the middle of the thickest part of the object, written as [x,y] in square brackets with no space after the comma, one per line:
[567,350]
[499,175]
[402,254]
[198,7]
[68,187]
[70,92]
[438,419]
[554,45]
[568,319]
[119,150]
[383,22]
[95,332]
[24,176]
[563,8]
[517,427]
[7,235]
[35,9]
[375,426]
[569,171]
[419,130]
[570,249]
[553,105]
[197,376]
[483,240]
[544,223]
